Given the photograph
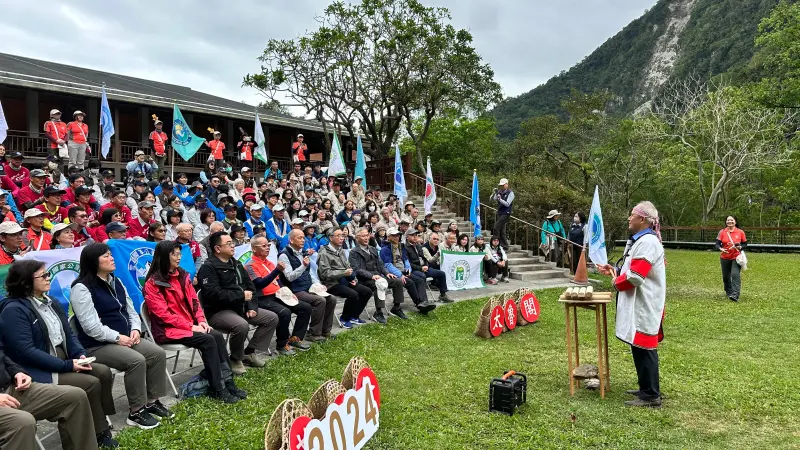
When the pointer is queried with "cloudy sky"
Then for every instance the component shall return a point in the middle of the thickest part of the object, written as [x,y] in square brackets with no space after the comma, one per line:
[211,48]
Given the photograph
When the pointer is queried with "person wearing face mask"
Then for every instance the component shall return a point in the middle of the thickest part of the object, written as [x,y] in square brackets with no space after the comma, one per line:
[354,224]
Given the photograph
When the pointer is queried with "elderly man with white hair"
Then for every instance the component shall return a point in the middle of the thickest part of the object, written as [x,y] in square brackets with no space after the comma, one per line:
[204,248]
[641,283]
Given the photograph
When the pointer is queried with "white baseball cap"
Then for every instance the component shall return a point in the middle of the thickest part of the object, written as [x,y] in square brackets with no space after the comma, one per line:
[53,112]
[286,296]
[33,212]
[319,289]
[10,228]
[503,181]
[277,208]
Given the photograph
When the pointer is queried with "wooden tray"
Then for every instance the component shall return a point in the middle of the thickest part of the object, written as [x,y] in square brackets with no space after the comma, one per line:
[597,297]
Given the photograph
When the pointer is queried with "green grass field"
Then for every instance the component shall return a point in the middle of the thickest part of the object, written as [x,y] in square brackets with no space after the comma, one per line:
[727,371]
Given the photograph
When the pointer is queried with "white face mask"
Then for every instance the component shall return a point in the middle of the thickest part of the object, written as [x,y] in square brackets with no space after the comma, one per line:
[357,218]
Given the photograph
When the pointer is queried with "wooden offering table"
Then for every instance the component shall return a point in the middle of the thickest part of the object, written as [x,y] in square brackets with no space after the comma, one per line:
[598,304]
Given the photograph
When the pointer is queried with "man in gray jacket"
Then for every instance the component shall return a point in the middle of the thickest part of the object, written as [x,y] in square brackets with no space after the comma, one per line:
[367,264]
[337,275]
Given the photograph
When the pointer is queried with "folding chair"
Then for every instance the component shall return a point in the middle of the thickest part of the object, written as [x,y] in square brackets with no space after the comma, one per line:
[73,324]
[177,348]
[428,281]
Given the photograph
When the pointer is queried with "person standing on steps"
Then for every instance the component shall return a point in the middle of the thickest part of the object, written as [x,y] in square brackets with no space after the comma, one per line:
[641,286]
[158,145]
[730,242]
[77,140]
[504,197]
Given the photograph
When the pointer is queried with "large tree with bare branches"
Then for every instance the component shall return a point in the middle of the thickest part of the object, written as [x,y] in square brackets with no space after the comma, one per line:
[377,68]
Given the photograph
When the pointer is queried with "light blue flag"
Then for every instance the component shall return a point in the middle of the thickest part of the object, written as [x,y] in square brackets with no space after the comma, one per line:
[361,162]
[106,125]
[133,259]
[399,178]
[597,233]
[475,205]
[184,141]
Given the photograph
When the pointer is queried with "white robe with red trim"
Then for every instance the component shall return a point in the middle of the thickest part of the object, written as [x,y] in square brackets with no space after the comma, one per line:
[642,294]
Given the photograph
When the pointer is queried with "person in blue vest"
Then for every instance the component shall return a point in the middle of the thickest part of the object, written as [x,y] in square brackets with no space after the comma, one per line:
[311,238]
[504,197]
[35,334]
[256,218]
[109,327]
[278,228]
[395,260]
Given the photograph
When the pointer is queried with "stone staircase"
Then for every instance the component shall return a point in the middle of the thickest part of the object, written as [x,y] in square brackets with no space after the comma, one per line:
[523,265]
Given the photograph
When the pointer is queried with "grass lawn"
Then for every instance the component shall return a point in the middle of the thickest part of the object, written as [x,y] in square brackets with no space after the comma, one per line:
[727,371]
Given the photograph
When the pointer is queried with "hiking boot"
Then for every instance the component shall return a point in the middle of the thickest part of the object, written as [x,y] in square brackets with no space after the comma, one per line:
[639,403]
[445,299]
[378,316]
[104,440]
[255,360]
[295,342]
[230,385]
[142,419]
[158,410]
[345,323]
[633,392]
[237,367]
[286,351]
[397,312]
[425,307]
[733,299]
[315,338]
[357,321]
[223,395]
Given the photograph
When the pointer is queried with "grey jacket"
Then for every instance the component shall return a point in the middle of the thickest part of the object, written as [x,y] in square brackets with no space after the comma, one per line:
[332,265]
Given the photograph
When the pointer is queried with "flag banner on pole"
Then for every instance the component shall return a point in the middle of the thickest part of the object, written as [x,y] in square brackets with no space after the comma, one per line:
[184,141]
[244,253]
[361,163]
[133,259]
[597,233]
[336,161]
[475,205]
[106,125]
[260,141]
[463,270]
[63,266]
[430,190]
[3,125]
[399,177]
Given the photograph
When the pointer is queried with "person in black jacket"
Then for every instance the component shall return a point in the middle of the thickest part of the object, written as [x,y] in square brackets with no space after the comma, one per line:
[228,300]
[366,262]
[420,266]
[35,334]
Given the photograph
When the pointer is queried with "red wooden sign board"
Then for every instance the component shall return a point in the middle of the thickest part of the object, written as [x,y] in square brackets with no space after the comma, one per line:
[529,307]
[510,309]
[496,321]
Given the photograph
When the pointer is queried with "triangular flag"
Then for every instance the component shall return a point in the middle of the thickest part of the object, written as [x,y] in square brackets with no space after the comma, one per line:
[336,161]
[430,190]
[106,125]
[260,140]
[361,162]
[184,141]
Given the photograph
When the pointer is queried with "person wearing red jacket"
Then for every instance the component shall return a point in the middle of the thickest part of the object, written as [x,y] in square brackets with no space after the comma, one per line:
[83,198]
[300,150]
[76,180]
[245,147]
[176,317]
[56,132]
[77,140]
[217,147]
[77,216]
[32,194]
[117,202]
[158,145]
[138,226]
[6,183]
[53,211]
[15,170]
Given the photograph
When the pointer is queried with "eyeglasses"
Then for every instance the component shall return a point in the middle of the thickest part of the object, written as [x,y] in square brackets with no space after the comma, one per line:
[44,276]
[229,244]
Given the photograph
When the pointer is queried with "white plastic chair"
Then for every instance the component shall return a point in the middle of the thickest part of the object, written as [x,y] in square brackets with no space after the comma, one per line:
[177,348]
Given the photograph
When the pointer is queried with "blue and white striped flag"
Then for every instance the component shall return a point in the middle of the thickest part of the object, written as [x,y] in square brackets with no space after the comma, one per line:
[106,125]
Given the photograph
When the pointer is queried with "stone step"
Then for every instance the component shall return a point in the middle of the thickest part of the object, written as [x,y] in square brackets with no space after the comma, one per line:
[522,260]
[539,274]
[530,267]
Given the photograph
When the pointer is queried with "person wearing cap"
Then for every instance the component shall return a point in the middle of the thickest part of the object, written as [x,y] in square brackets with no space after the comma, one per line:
[36,237]
[246,175]
[552,230]
[5,181]
[56,133]
[230,218]
[141,163]
[245,149]
[278,227]
[300,149]
[11,242]
[8,208]
[83,198]
[504,197]
[297,223]
[32,194]
[366,262]
[273,171]
[216,147]
[53,211]
[239,235]
[406,214]
[77,139]
[228,300]
[424,233]
[158,140]
[403,228]
[395,260]
[63,236]
[99,189]
[80,220]
[340,279]
[117,230]
[14,169]
[118,200]
[420,267]
[312,238]
[138,226]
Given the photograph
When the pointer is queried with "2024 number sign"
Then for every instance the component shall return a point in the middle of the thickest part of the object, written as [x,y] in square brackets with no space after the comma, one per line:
[349,422]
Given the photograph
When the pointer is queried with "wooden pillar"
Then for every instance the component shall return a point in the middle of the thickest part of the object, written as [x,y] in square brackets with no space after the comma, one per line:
[145,121]
[230,141]
[116,149]
[34,122]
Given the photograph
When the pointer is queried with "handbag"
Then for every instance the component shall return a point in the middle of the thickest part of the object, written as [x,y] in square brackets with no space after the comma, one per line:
[741,258]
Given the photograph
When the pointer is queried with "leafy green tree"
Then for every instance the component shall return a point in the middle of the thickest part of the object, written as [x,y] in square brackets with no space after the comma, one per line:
[779,55]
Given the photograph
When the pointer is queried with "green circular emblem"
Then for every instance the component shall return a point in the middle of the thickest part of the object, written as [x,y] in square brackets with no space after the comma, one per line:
[459,273]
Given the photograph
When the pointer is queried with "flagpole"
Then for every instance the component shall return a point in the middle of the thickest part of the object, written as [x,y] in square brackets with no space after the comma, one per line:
[172,171]
[98,149]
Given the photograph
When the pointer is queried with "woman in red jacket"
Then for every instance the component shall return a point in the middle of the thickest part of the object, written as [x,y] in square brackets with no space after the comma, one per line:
[730,242]
[177,318]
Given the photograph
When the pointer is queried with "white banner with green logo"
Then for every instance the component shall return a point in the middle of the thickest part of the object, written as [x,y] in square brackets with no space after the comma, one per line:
[463,270]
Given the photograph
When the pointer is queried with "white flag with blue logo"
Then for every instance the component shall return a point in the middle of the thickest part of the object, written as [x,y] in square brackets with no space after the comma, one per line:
[399,178]
[335,160]
[260,140]
[597,233]
[106,125]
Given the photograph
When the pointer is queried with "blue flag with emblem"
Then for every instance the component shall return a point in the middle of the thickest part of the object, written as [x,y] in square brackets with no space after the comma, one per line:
[106,125]
[399,178]
[475,205]
[184,141]
[361,162]
[133,259]
[597,233]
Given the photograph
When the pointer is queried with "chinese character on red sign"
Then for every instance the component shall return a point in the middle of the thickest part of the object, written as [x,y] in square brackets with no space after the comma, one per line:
[298,432]
[529,307]
[511,314]
[496,321]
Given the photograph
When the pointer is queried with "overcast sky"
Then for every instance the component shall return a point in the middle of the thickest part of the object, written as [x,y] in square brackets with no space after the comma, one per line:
[211,48]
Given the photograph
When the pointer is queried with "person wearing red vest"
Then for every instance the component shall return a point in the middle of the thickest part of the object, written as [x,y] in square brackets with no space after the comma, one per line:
[32,194]
[77,140]
[14,169]
[138,226]
[300,149]
[118,200]
[158,145]
[245,147]
[56,132]
[217,147]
